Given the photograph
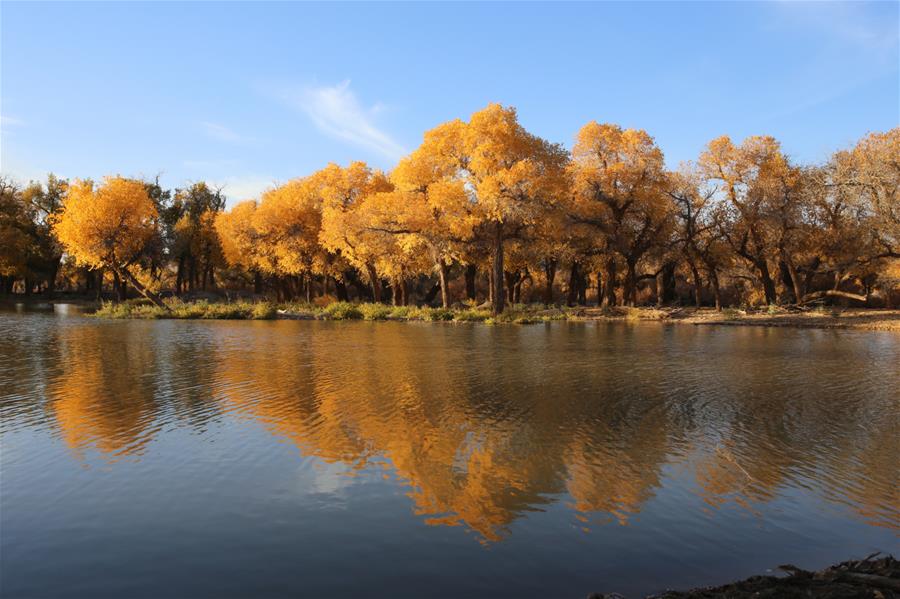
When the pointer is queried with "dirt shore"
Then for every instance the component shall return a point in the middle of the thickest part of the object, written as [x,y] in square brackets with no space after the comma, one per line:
[828,318]
[871,578]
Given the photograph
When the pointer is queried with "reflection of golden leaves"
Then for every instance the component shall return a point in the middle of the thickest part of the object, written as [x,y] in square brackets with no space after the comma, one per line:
[95,402]
[369,397]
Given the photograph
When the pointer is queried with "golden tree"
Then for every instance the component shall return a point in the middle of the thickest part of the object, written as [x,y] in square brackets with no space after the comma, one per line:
[753,177]
[429,207]
[108,225]
[344,193]
[239,240]
[194,242]
[618,189]
[511,178]
[287,224]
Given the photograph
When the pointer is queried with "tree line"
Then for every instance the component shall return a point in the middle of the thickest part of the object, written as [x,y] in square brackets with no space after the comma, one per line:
[485,211]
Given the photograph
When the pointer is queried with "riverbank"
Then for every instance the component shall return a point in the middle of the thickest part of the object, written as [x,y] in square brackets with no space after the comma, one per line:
[821,317]
[870,578]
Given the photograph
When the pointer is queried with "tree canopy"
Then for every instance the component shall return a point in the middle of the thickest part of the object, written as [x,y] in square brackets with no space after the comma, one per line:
[485,211]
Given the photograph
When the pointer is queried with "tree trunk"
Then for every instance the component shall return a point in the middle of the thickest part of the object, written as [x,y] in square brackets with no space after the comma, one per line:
[660,289]
[51,282]
[117,286]
[497,303]
[444,275]
[630,292]
[811,297]
[404,292]
[698,283]
[582,289]
[490,297]
[610,284]
[793,276]
[375,283]
[549,277]
[471,271]
[99,284]
[599,288]
[717,293]
[572,291]
[512,278]
[179,276]
[432,293]
[192,273]
[340,290]
[768,284]
[126,275]
[793,298]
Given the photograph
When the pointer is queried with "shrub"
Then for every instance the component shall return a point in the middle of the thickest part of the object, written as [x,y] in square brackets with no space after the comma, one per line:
[401,313]
[263,311]
[375,311]
[436,314]
[342,311]
[472,315]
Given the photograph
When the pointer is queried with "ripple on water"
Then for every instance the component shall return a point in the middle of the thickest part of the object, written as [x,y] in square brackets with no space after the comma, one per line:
[696,435]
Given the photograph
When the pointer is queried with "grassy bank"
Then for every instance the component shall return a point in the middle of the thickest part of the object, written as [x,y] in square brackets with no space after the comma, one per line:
[822,317]
[242,310]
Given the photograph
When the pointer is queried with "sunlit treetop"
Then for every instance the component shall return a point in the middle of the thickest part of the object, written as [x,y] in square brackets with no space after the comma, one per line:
[106,224]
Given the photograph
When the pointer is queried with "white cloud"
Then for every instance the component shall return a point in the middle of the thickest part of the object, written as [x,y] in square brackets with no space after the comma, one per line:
[220,132]
[336,111]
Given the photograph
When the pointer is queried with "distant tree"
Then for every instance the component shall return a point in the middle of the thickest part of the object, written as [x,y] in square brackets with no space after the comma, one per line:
[193,243]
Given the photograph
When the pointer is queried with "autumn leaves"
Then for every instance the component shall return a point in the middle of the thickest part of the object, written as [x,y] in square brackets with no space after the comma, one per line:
[488,196]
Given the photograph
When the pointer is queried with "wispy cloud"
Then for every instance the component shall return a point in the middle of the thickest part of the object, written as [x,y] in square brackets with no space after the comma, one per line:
[854,23]
[337,112]
[220,132]
[859,46]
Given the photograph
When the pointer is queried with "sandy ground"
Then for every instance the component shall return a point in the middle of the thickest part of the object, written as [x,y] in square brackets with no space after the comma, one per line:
[828,318]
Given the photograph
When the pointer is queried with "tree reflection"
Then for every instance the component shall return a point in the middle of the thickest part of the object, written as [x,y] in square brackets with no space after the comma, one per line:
[478,424]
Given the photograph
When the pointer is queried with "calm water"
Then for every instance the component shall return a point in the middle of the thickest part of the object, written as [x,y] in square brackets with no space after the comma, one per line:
[288,459]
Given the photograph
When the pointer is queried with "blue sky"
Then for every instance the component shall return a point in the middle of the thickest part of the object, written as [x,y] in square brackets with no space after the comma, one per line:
[246,95]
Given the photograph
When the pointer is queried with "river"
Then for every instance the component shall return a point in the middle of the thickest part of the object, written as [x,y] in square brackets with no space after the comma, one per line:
[289,459]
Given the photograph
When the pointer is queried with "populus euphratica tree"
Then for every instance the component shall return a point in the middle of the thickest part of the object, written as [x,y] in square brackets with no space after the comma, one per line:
[107,226]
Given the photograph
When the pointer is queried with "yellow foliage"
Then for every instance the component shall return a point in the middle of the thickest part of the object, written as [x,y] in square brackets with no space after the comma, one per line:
[107,224]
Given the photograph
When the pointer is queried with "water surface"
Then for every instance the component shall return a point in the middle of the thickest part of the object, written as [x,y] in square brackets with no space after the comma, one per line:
[288,459]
